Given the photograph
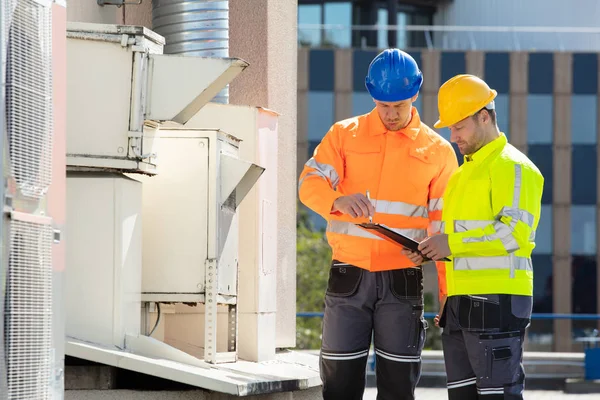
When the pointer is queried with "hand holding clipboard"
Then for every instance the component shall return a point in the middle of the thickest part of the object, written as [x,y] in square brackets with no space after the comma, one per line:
[396,238]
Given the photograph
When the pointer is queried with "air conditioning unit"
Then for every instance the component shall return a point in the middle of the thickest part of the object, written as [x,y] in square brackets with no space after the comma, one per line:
[257,128]
[190,231]
[121,88]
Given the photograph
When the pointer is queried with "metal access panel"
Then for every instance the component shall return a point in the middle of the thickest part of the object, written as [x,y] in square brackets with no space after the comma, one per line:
[186,220]
[104,257]
[190,232]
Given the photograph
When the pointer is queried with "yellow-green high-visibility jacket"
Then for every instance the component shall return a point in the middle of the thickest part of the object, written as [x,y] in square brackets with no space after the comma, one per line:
[492,207]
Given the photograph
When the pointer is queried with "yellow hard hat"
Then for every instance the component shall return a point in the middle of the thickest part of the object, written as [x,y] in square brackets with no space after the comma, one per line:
[462,96]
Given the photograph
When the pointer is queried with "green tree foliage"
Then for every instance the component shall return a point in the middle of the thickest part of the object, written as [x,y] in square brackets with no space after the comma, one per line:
[312,272]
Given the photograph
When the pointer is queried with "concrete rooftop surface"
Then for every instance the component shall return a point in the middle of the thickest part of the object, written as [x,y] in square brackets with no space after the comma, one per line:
[441,394]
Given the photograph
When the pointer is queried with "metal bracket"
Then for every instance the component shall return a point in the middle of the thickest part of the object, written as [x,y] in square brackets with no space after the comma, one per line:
[118,3]
[210,310]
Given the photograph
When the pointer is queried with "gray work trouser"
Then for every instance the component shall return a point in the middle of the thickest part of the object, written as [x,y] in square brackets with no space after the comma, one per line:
[359,305]
[483,346]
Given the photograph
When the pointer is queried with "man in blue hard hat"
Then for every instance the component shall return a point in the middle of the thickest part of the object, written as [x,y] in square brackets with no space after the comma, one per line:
[389,168]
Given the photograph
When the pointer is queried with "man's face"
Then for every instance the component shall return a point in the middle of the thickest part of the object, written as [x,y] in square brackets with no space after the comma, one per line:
[468,134]
[396,115]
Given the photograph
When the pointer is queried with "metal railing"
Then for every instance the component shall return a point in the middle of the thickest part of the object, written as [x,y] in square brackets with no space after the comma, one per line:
[534,316]
[453,37]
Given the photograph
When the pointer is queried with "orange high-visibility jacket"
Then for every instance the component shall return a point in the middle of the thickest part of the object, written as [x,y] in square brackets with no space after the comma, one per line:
[405,172]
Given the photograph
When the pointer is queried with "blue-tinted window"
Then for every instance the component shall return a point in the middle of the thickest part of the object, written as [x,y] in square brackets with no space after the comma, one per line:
[320,114]
[419,104]
[585,73]
[453,63]
[502,113]
[497,71]
[584,119]
[362,103]
[539,119]
[541,155]
[583,174]
[321,70]
[543,233]
[541,73]
[361,61]
[542,283]
[583,230]
[584,287]
[309,14]
[339,14]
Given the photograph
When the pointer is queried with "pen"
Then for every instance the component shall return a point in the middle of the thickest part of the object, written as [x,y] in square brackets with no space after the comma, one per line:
[369,198]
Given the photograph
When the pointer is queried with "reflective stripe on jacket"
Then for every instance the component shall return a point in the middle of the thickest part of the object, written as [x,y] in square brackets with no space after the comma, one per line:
[491,211]
[406,173]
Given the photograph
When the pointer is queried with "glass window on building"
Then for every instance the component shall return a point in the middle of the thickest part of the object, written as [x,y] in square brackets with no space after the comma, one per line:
[345,14]
[584,174]
[309,14]
[584,292]
[340,15]
[502,113]
[583,230]
[320,114]
[543,233]
[539,118]
[584,118]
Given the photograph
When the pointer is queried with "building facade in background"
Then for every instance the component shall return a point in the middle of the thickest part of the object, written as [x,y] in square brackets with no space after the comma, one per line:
[547,106]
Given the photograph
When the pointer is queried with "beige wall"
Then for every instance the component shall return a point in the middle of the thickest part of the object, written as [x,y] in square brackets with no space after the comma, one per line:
[263,32]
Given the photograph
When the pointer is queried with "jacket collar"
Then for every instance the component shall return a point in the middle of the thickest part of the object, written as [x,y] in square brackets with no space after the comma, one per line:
[488,149]
[376,127]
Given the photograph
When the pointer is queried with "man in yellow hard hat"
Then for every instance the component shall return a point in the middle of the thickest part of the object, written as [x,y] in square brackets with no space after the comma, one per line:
[492,206]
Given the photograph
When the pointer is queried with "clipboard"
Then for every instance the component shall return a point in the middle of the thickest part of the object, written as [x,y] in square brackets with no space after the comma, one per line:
[396,238]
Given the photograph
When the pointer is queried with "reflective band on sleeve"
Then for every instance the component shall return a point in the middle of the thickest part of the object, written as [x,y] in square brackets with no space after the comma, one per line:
[436,204]
[348,228]
[503,233]
[323,170]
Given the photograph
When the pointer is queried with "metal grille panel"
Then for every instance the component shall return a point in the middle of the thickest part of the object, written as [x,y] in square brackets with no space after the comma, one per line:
[29,94]
[28,316]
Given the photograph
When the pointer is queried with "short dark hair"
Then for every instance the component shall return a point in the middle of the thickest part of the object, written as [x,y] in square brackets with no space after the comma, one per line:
[492,114]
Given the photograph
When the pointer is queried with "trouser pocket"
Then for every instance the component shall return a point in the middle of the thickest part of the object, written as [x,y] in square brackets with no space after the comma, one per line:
[343,279]
[416,337]
[407,283]
[502,354]
[479,313]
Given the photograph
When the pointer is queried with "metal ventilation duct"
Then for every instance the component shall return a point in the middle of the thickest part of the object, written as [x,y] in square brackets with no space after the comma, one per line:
[194,28]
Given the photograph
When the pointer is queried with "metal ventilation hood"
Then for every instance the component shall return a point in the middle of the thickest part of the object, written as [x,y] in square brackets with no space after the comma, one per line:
[181,85]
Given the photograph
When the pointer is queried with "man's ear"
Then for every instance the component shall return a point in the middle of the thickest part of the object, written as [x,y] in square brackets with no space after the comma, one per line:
[415,97]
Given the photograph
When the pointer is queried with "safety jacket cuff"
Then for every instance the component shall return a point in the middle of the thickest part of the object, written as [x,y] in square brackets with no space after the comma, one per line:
[331,198]
[455,243]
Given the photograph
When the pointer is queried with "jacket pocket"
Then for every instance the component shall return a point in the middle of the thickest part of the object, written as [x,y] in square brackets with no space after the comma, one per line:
[478,313]
[407,283]
[362,163]
[343,279]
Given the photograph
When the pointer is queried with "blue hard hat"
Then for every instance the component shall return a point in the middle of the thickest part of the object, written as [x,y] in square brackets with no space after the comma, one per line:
[393,76]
